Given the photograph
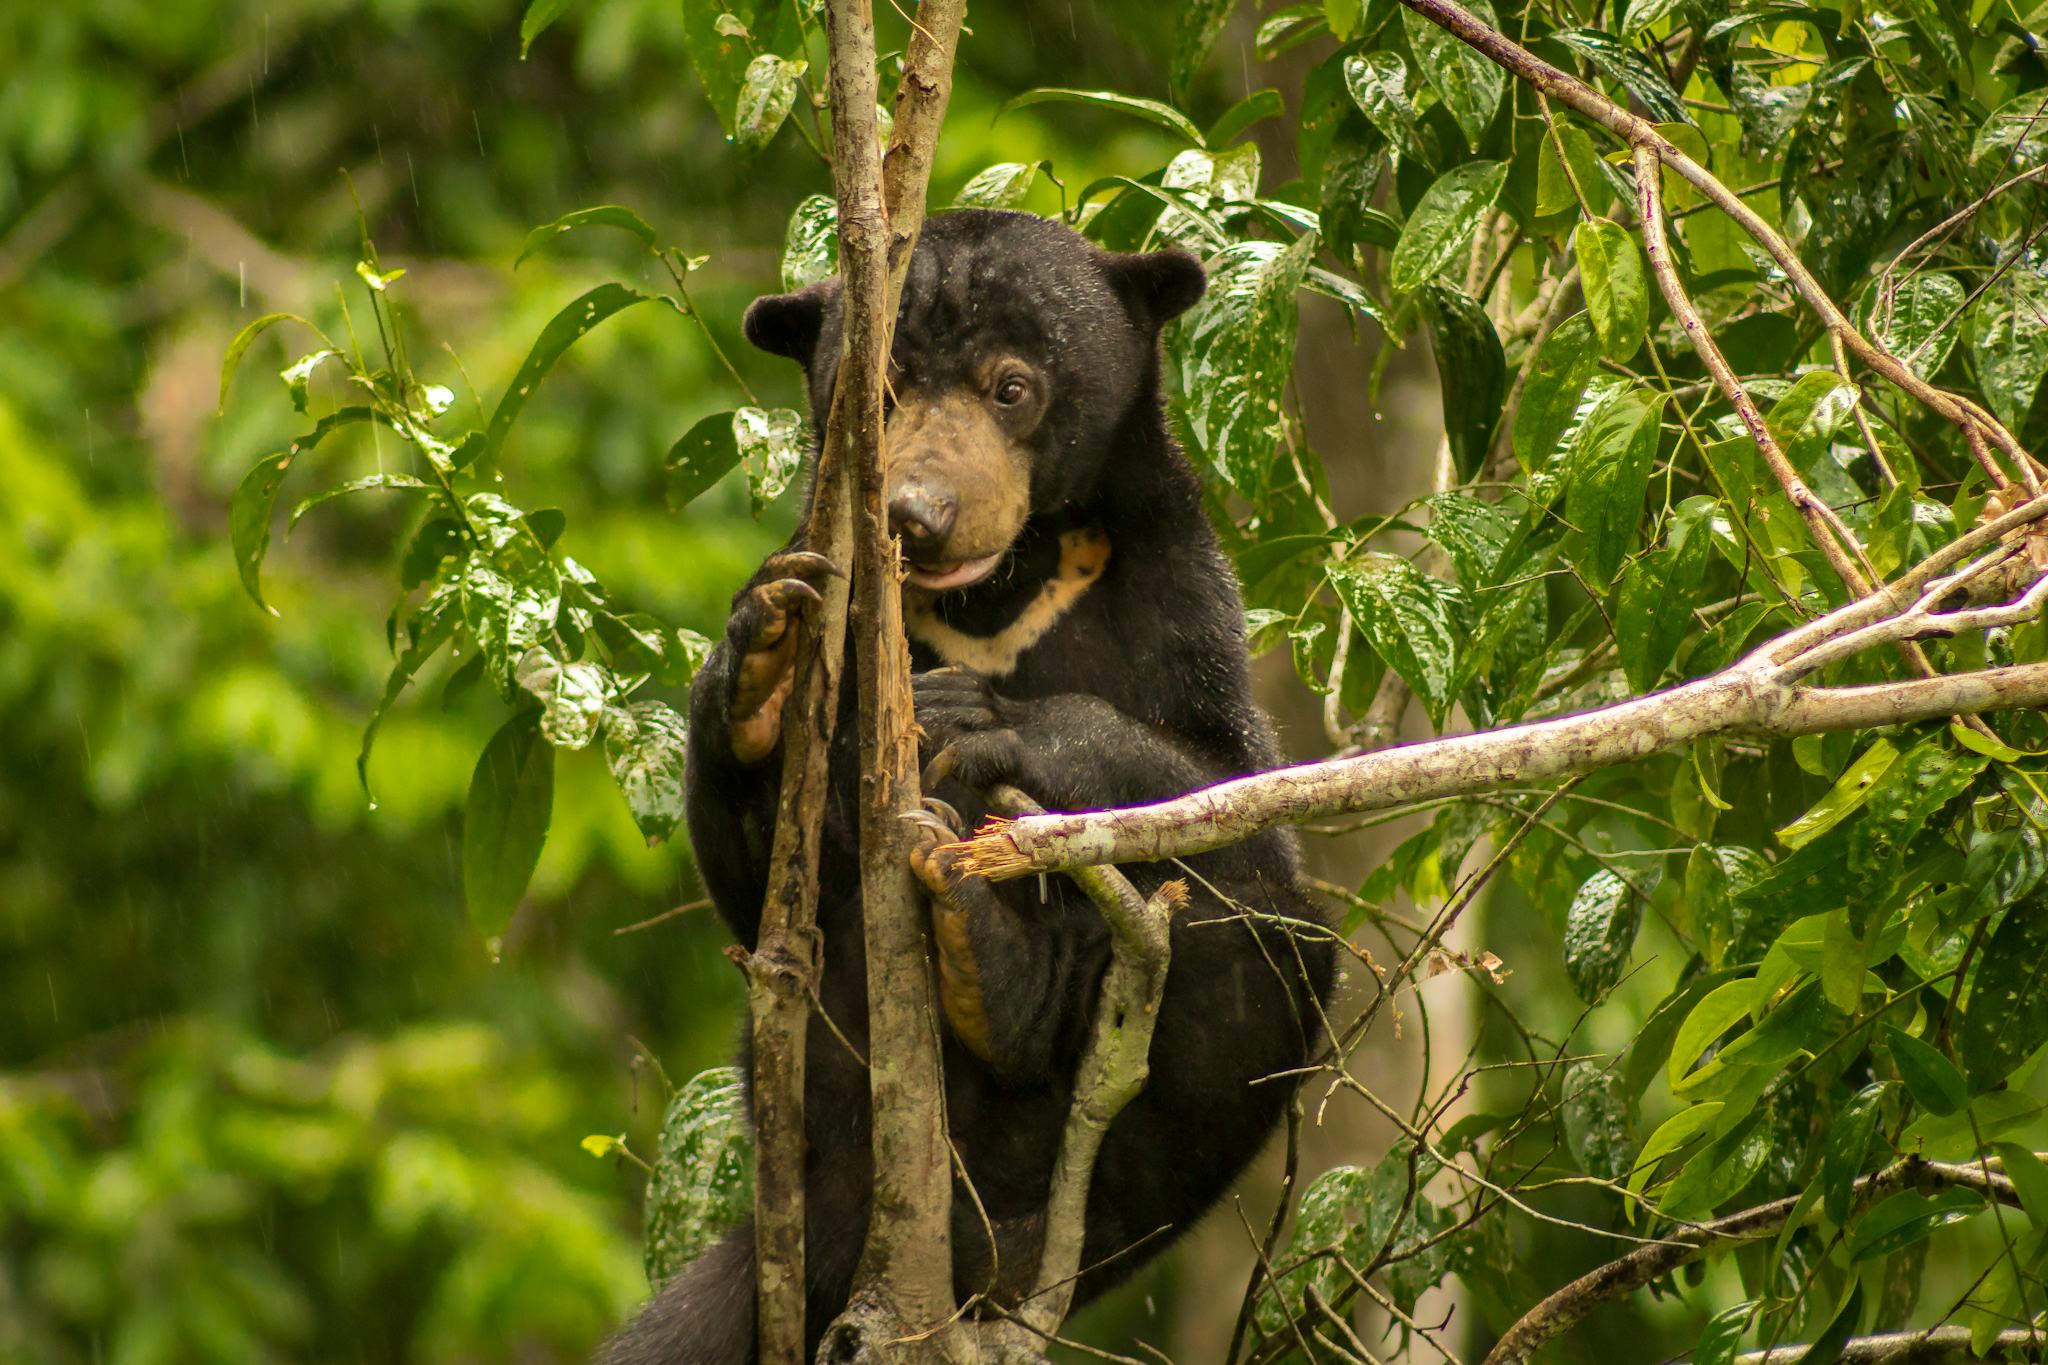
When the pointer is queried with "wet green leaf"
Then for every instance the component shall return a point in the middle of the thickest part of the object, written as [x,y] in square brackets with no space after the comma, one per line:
[1671,1136]
[298,376]
[1472,372]
[1629,69]
[1930,1078]
[1204,183]
[1826,1347]
[511,589]
[1232,355]
[1559,184]
[703,1181]
[563,331]
[1201,21]
[1902,804]
[771,444]
[1790,1027]
[1908,1217]
[2029,1176]
[1152,111]
[1918,322]
[1848,1149]
[431,627]
[1806,419]
[1651,1047]
[1001,186]
[1473,532]
[810,246]
[2006,1017]
[1411,619]
[1378,83]
[1331,1207]
[2016,134]
[718,33]
[1469,84]
[256,495]
[1617,289]
[1253,108]
[1600,928]
[706,453]
[2009,341]
[603,215]
[1653,614]
[1564,363]
[239,347]
[644,745]
[2001,867]
[505,821]
[1721,1338]
[1843,799]
[572,696]
[1717,1011]
[1715,878]
[1596,1121]
[1719,1171]
[436,541]
[539,15]
[364,484]
[1437,235]
[767,93]
[1608,471]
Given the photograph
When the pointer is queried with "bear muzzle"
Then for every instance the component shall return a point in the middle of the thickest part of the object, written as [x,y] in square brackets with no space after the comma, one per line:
[957,489]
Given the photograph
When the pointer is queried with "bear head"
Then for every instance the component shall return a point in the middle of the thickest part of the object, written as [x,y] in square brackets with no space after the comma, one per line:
[1021,351]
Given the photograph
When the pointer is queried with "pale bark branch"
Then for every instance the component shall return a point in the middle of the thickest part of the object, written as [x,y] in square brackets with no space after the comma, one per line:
[1565,1308]
[1759,695]
[1935,1345]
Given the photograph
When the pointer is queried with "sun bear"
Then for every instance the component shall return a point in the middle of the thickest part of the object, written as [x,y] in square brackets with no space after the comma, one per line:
[1077,632]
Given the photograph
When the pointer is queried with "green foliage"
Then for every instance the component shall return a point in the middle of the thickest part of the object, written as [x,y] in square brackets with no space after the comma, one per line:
[703,1182]
[1751,970]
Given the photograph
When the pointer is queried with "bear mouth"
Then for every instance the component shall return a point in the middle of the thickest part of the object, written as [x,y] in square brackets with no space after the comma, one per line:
[956,574]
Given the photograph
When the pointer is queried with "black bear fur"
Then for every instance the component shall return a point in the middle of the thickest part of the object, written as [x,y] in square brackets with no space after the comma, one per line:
[1139,692]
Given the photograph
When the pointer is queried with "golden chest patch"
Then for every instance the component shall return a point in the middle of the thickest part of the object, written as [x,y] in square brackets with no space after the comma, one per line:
[1083,555]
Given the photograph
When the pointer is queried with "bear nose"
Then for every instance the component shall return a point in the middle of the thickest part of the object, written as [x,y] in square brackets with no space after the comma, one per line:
[920,516]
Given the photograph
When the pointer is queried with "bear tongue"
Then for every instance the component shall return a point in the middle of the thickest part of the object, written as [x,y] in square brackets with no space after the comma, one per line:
[958,574]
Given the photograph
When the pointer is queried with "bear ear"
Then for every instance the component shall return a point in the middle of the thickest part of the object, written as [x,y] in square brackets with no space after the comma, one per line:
[788,324]
[1157,286]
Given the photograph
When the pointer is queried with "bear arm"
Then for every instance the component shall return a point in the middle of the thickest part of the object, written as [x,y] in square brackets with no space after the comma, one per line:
[729,806]
[1017,978]
[1084,754]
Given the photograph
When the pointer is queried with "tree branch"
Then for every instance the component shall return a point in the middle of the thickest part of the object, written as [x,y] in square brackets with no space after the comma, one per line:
[1836,541]
[1934,1345]
[1565,1308]
[905,1279]
[1759,695]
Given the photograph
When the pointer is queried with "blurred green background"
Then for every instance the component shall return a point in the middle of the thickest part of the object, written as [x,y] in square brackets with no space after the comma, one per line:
[262,1095]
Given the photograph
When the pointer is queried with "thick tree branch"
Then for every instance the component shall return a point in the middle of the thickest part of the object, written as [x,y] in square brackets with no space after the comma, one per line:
[905,1280]
[1935,1345]
[1760,695]
[1565,1308]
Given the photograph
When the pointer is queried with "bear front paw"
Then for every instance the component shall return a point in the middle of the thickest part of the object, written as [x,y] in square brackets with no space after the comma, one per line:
[969,733]
[762,632]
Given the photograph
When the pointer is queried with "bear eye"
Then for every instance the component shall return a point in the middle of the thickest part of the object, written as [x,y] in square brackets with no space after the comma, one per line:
[1012,390]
